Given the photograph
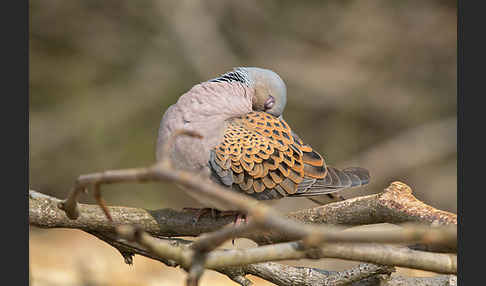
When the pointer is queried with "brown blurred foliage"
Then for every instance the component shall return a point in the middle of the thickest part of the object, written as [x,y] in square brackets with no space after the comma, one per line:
[358,73]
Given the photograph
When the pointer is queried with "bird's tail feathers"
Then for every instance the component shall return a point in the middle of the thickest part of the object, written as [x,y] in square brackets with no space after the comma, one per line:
[336,180]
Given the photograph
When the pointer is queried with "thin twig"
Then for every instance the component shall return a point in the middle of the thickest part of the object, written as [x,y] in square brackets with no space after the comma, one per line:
[165,225]
[267,217]
[394,205]
[314,235]
[43,212]
[373,253]
[210,241]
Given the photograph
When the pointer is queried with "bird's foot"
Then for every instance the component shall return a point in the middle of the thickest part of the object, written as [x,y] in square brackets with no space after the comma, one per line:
[215,213]
[200,212]
[239,216]
[336,197]
[239,219]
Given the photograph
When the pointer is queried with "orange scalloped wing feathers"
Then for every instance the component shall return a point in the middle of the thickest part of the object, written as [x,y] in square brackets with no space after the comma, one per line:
[261,156]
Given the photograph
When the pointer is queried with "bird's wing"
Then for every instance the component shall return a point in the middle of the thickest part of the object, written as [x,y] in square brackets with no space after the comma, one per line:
[261,156]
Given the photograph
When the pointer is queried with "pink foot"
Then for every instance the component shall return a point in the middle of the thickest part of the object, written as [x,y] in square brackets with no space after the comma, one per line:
[239,219]
[201,212]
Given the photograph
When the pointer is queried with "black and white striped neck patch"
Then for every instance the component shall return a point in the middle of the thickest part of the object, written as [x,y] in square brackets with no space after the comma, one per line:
[237,75]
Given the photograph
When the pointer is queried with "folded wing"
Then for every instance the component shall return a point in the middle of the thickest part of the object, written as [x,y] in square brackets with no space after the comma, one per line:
[262,157]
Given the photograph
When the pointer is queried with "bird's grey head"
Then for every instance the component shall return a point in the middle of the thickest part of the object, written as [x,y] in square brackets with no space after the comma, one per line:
[270,92]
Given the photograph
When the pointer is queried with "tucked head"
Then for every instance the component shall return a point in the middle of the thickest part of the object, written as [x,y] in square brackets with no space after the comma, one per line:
[270,92]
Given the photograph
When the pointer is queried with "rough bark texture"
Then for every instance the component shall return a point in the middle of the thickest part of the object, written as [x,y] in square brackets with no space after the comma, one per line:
[395,205]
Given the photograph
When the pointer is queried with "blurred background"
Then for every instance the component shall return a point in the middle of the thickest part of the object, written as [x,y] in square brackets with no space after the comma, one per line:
[370,83]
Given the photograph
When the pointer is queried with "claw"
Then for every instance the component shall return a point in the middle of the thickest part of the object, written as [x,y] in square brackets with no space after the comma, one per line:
[201,212]
[215,213]
[239,218]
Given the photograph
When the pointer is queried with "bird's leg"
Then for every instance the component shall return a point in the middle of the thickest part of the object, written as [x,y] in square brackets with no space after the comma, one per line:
[215,213]
[227,213]
[239,218]
[336,197]
[201,212]
[333,196]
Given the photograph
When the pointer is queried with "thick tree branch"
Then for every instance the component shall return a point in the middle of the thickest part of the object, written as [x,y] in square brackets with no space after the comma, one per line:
[371,254]
[396,204]
[289,275]
[44,213]
[92,218]
[441,280]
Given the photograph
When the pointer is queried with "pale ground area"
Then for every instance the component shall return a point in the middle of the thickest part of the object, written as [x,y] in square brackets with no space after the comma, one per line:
[71,257]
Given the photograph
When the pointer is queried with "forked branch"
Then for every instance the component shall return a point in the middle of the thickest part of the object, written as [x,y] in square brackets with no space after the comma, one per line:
[314,233]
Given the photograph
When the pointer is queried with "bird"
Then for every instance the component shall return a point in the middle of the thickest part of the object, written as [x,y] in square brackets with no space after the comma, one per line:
[246,144]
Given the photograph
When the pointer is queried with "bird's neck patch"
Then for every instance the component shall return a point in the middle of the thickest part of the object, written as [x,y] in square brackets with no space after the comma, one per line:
[233,76]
